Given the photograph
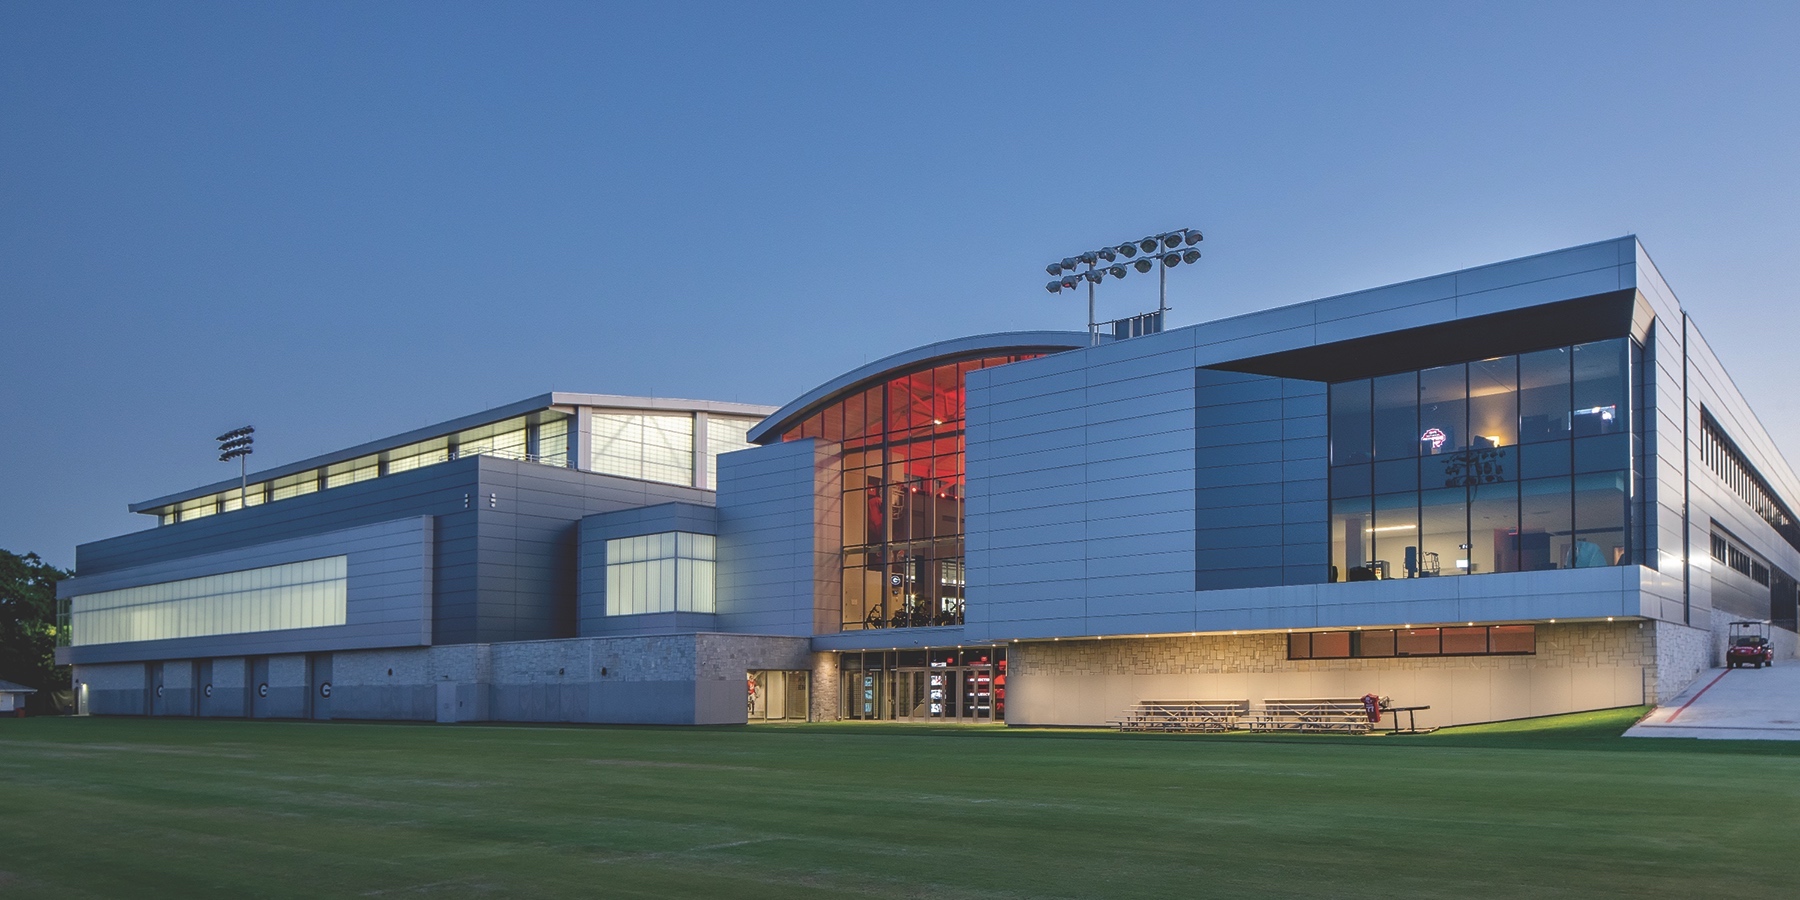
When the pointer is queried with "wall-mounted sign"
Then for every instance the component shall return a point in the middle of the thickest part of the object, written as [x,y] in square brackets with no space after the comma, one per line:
[206,691]
[325,690]
[262,690]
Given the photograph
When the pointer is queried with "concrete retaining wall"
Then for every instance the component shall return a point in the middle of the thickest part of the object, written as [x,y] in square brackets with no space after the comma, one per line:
[674,679]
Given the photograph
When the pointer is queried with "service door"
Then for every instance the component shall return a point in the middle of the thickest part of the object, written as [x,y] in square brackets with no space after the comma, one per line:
[153,681]
[446,702]
[258,686]
[203,688]
[321,685]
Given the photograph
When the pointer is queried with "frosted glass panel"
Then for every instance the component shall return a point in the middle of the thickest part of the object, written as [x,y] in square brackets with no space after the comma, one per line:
[650,447]
[308,594]
[724,436]
[667,572]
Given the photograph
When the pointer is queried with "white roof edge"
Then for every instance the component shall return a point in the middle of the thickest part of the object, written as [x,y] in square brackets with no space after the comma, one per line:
[617,401]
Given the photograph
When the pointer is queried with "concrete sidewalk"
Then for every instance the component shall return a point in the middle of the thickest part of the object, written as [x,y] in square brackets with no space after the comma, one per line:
[1732,704]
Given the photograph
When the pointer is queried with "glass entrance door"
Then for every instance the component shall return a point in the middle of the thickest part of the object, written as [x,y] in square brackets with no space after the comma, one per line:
[777,695]
[953,685]
[962,693]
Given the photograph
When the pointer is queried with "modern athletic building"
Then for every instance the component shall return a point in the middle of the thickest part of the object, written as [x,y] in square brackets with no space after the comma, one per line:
[1513,490]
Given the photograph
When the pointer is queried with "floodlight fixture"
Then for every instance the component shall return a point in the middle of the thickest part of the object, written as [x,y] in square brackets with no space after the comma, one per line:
[238,443]
[1161,251]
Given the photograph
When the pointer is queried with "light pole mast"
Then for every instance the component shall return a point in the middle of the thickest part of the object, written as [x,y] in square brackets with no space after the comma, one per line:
[236,444]
[1093,327]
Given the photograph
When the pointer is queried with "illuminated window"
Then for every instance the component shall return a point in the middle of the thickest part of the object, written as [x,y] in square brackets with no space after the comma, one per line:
[308,594]
[651,447]
[294,485]
[352,471]
[724,435]
[1509,464]
[1381,643]
[652,573]
[553,441]
[199,507]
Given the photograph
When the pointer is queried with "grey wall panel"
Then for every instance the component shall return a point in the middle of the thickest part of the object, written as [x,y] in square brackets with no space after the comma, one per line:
[770,499]
[1404,296]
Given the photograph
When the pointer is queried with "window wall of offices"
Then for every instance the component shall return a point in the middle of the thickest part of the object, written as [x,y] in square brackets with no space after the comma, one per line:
[1516,463]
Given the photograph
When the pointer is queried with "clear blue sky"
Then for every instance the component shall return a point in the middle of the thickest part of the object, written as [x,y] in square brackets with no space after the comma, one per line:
[339,221]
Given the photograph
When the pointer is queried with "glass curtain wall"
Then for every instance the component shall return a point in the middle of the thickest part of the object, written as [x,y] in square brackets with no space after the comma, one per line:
[1516,463]
[903,495]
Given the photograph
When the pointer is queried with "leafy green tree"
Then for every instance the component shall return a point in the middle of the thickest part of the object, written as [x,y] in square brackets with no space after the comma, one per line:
[28,625]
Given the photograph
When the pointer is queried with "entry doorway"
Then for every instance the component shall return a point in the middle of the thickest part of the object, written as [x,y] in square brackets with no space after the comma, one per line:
[778,696]
[945,692]
[947,685]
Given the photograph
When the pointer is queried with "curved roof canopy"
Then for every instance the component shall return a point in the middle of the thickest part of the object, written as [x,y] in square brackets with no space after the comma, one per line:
[906,361]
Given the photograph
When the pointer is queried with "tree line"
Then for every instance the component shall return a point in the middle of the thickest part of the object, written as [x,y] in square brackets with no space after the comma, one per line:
[28,630]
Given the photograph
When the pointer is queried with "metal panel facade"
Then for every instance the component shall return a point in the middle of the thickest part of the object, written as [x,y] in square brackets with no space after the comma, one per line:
[1075,492]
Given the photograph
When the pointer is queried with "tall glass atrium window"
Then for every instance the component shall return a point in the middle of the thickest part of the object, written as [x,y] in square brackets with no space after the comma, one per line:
[1512,464]
[903,495]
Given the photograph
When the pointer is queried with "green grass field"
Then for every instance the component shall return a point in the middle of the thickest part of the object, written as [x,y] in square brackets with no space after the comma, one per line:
[1553,808]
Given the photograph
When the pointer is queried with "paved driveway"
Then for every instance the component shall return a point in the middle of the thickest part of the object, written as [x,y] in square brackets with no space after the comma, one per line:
[1736,704]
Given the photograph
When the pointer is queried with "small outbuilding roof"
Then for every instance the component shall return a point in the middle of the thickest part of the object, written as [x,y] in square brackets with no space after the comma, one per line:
[7,687]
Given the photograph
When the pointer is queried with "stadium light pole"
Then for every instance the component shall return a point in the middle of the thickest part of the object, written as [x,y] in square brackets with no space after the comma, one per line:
[1161,250]
[237,444]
